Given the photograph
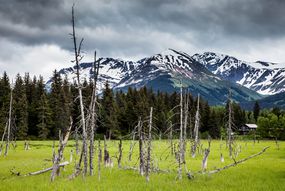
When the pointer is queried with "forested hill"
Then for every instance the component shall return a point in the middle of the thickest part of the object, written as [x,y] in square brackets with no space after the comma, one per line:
[38,113]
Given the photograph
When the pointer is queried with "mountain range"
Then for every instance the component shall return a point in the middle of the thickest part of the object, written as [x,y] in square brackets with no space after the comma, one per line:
[208,74]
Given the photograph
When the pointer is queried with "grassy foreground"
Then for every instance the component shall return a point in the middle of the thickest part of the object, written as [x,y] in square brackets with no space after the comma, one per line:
[265,172]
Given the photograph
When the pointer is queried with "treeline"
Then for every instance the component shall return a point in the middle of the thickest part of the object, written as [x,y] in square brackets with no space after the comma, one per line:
[39,113]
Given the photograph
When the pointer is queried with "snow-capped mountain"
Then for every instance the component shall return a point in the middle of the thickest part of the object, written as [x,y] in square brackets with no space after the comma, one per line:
[111,70]
[163,72]
[263,77]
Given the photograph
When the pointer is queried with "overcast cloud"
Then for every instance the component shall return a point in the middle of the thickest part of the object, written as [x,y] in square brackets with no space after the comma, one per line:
[34,33]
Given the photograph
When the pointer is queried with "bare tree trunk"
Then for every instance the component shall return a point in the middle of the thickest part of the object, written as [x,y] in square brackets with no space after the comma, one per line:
[171,139]
[196,127]
[185,127]
[149,146]
[9,125]
[59,156]
[99,160]
[3,137]
[120,153]
[76,141]
[230,126]
[206,155]
[78,57]
[141,153]
[238,162]
[132,144]
[107,160]
[205,159]
[181,136]
[93,115]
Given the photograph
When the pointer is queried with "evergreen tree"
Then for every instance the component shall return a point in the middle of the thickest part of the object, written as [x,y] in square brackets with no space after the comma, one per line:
[20,106]
[59,107]
[4,100]
[44,116]
[256,110]
[109,112]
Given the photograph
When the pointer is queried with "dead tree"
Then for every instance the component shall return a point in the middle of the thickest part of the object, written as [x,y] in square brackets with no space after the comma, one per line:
[181,136]
[206,155]
[8,125]
[229,129]
[141,153]
[59,156]
[238,162]
[99,159]
[120,154]
[78,57]
[133,142]
[196,128]
[93,115]
[186,108]
[107,160]
[149,146]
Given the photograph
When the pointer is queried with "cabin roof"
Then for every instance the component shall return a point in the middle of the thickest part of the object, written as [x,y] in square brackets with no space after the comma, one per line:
[249,125]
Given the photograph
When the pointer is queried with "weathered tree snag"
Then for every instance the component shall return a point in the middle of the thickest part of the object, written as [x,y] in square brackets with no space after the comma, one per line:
[107,160]
[78,57]
[229,130]
[180,154]
[93,115]
[7,128]
[76,141]
[59,156]
[205,159]
[132,142]
[149,146]
[141,153]
[120,153]
[206,155]
[99,160]
[9,125]
[53,151]
[186,107]
[222,158]
[47,169]
[196,128]
[3,137]
[171,139]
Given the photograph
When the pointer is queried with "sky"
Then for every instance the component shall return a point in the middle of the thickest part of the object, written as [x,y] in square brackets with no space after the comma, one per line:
[34,34]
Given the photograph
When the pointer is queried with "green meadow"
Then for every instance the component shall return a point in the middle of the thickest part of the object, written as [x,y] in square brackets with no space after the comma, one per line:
[264,172]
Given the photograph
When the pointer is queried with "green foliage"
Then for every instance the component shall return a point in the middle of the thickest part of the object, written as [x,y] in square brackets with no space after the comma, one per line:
[41,113]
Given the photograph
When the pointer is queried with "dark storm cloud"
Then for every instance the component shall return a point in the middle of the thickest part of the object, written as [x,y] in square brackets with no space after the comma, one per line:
[137,26]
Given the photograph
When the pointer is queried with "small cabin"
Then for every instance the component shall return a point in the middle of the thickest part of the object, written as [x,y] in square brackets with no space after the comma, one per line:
[246,128]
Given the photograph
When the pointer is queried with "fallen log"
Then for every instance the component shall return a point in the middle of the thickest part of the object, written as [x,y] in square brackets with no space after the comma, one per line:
[237,162]
[47,169]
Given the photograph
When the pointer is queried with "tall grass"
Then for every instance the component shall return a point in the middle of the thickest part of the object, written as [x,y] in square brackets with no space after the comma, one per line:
[265,172]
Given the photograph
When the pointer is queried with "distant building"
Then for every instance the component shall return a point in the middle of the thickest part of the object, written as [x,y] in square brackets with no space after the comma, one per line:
[246,128]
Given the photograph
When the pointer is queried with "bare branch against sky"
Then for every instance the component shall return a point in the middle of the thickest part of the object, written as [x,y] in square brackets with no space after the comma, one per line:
[34,33]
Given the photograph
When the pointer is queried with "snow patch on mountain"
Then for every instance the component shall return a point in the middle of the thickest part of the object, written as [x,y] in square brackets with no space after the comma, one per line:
[264,77]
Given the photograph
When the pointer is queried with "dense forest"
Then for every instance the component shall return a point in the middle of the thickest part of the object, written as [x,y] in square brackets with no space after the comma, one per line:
[39,113]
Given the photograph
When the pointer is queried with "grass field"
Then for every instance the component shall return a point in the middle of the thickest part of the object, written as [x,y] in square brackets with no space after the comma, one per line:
[265,172]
